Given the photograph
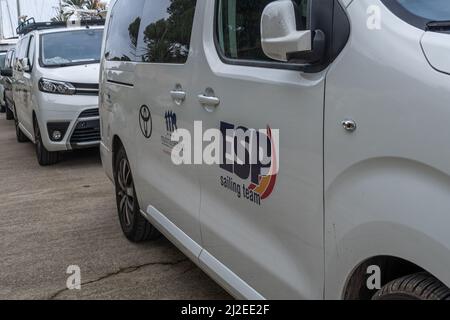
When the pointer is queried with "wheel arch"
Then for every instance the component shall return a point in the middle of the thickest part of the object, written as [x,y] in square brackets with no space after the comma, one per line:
[393,268]
[391,211]
[35,119]
[116,145]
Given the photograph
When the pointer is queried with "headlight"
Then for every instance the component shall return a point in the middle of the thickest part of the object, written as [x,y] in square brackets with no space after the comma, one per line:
[56,87]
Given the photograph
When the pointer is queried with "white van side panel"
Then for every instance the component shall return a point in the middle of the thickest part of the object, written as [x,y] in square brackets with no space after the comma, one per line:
[276,247]
[388,183]
[219,272]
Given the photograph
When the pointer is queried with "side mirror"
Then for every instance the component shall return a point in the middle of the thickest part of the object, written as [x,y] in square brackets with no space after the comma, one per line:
[279,34]
[24,65]
[6,73]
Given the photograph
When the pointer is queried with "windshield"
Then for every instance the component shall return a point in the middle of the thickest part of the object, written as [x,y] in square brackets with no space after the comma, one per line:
[433,10]
[71,48]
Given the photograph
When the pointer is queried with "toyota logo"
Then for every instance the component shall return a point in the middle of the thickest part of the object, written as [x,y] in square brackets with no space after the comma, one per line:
[145,121]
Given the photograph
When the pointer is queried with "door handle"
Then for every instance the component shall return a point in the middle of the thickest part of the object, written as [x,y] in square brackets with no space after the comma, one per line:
[178,95]
[208,100]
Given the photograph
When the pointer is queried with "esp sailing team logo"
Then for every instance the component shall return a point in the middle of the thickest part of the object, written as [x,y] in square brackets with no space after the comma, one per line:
[267,182]
[259,172]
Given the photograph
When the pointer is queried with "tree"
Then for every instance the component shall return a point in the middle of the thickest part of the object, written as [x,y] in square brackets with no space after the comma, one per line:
[168,39]
[68,7]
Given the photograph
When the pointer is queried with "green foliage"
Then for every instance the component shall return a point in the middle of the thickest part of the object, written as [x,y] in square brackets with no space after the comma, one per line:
[68,6]
[168,39]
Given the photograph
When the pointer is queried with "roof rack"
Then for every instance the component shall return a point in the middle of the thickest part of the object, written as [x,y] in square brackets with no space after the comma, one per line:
[31,25]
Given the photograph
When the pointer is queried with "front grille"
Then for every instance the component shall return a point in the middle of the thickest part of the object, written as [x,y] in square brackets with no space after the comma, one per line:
[86,131]
[90,113]
[86,89]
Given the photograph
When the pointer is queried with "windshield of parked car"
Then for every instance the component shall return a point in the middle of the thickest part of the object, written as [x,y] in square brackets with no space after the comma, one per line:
[433,10]
[68,48]
[2,60]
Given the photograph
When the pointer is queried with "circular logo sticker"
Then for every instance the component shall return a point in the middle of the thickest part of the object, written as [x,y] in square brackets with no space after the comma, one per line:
[145,121]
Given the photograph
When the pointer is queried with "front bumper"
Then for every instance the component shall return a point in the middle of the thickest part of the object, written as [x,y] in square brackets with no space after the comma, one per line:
[77,117]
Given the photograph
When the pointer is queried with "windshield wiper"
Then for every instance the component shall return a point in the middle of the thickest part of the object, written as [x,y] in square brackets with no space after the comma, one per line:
[58,65]
[71,64]
[438,26]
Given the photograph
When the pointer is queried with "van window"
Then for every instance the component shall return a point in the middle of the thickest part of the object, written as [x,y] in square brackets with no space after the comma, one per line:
[433,10]
[13,58]
[2,60]
[9,60]
[123,30]
[239,27]
[31,52]
[420,13]
[165,32]
[23,48]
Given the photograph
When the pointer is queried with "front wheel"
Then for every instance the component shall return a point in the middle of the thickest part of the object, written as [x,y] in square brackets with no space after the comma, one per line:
[44,157]
[134,226]
[419,286]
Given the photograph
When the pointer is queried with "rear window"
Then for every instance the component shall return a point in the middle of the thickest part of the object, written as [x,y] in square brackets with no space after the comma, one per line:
[123,31]
[165,32]
[153,31]
[68,48]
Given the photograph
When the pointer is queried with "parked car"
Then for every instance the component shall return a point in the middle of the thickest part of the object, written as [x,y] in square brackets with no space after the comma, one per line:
[2,89]
[352,202]
[55,87]
[7,77]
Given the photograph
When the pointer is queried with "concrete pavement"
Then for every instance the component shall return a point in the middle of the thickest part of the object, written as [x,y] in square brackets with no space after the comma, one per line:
[51,218]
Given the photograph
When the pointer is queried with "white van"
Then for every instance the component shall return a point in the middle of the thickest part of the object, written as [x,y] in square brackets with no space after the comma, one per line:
[55,87]
[354,202]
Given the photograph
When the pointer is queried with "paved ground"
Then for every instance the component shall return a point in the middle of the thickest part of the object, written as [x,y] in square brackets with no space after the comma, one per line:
[51,218]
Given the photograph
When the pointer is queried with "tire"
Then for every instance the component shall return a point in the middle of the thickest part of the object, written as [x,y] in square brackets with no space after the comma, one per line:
[21,137]
[44,157]
[134,225]
[9,113]
[419,286]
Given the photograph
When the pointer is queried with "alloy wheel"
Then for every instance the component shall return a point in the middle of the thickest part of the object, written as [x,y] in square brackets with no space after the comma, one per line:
[125,193]
[37,137]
